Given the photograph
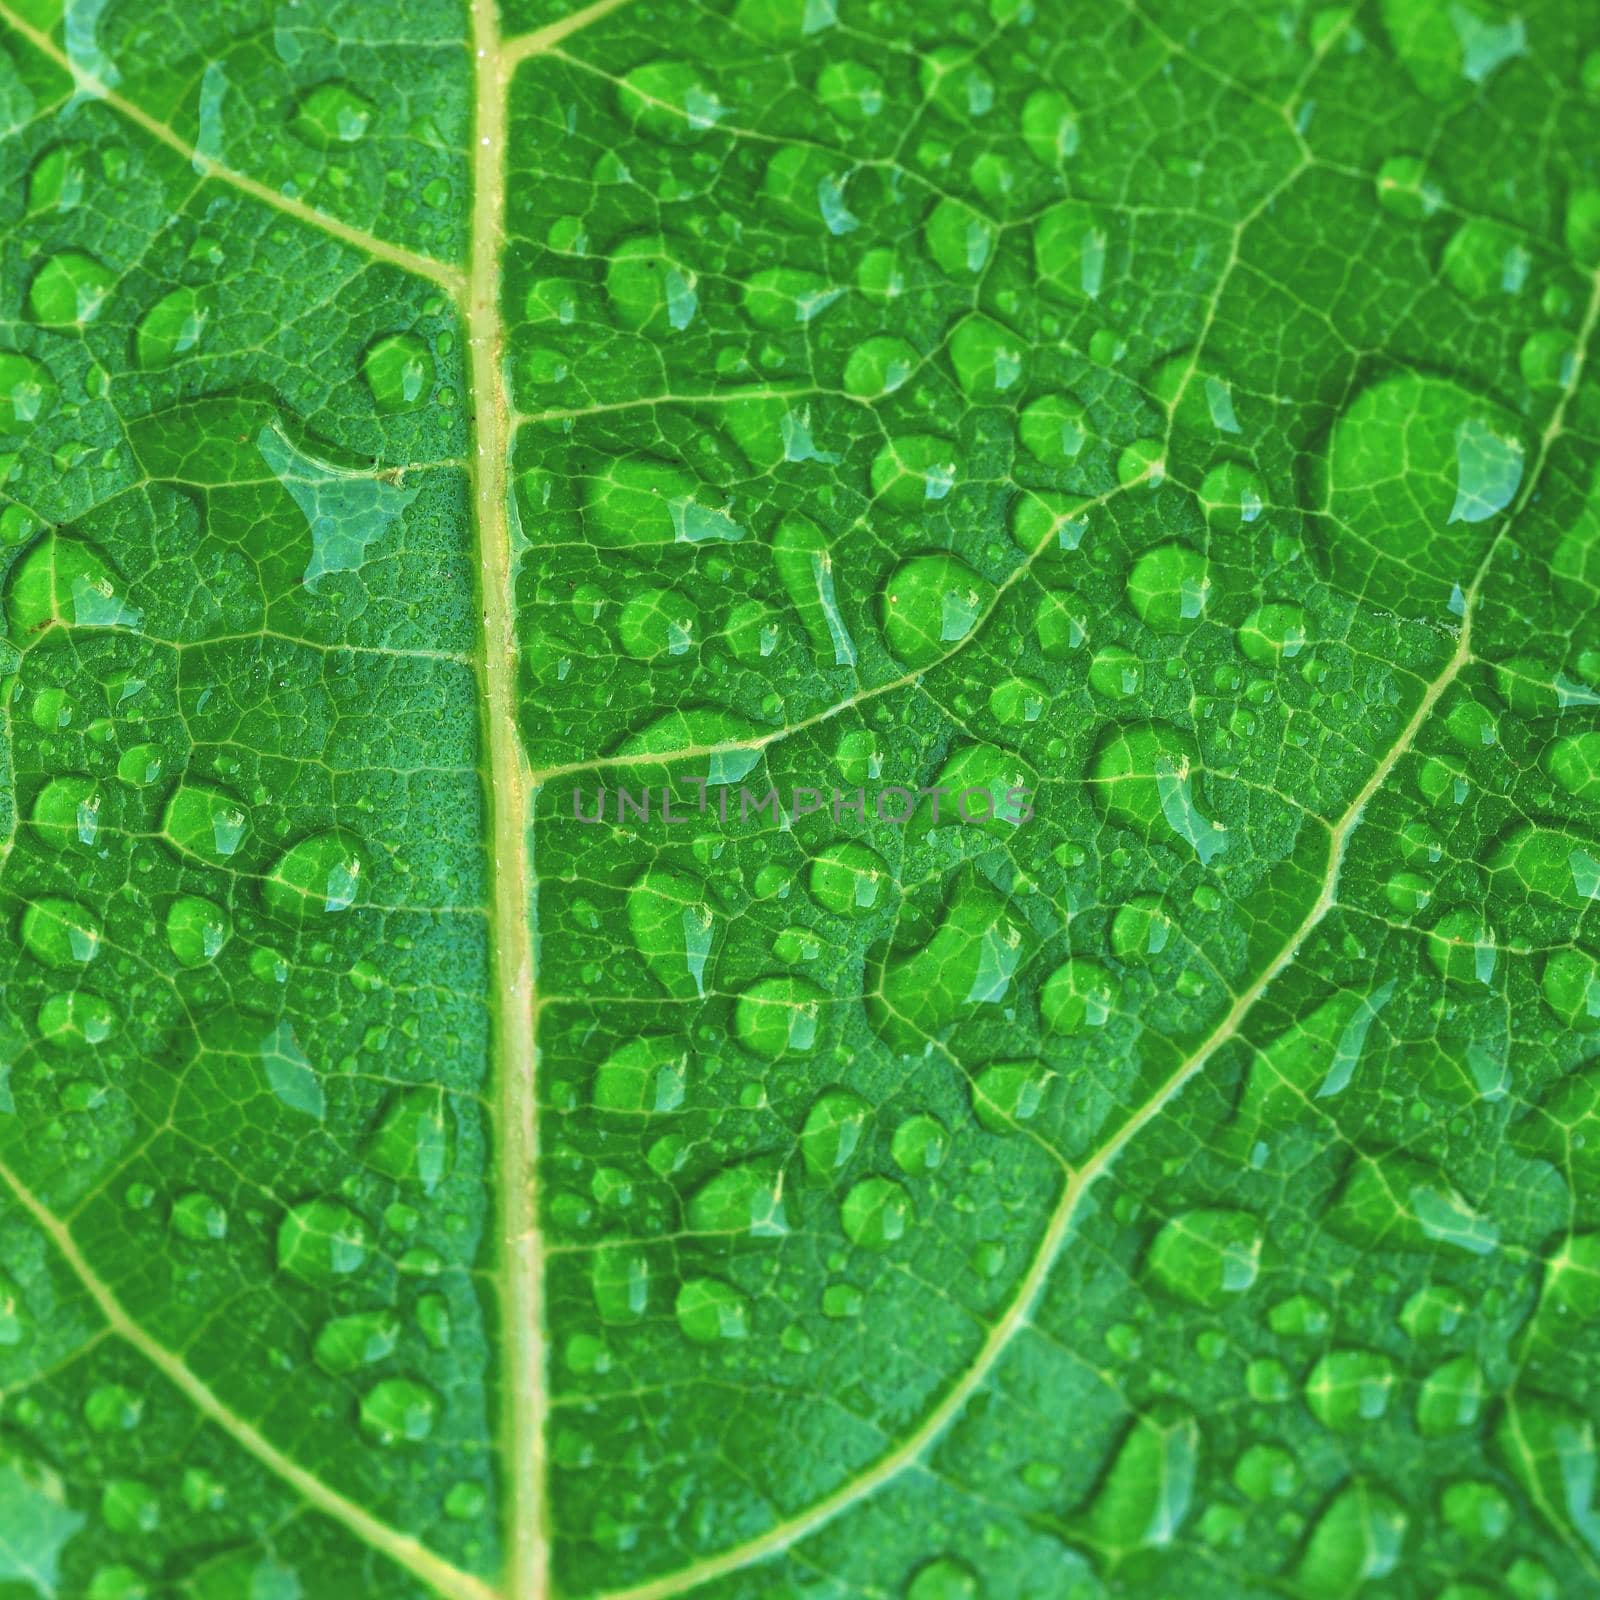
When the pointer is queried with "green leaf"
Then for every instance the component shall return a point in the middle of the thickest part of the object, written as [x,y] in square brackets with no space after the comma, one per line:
[799,799]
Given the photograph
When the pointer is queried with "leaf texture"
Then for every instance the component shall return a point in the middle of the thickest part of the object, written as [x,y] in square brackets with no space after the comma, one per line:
[799,799]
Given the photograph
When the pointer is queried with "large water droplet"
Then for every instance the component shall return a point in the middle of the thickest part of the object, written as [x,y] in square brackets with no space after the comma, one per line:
[1206,1257]
[876,1213]
[205,822]
[415,1140]
[347,1344]
[1143,776]
[27,391]
[316,877]
[930,604]
[832,1131]
[321,1241]
[69,290]
[709,1310]
[63,582]
[399,1411]
[60,933]
[779,1016]
[170,328]
[669,100]
[1417,467]
[332,114]
[743,1199]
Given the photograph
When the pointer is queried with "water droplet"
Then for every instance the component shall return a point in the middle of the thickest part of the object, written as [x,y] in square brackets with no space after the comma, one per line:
[414,1141]
[639,500]
[1145,1494]
[952,80]
[620,1279]
[320,1241]
[669,100]
[57,179]
[64,583]
[1141,929]
[1117,673]
[878,366]
[1168,587]
[1548,359]
[1451,1398]
[987,358]
[1007,1093]
[1349,1388]
[1548,863]
[969,961]
[1406,190]
[113,1408]
[399,372]
[1396,1201]
[1206,1257]
[944,1579]
[67,812]
[27,391]
[1571,987]
[779,1016]
[1359,1536]
[709,1310]
[77,1018]
[784,22]
[60,933]
[782,298]
[1230,495]
[832,1131]
[1049,127]
[931,603]
[1078,997]
[141,765]
[847,879]
[399,1411]
[919,1145]
[205,822]
[876,1213]
[332,114]
[850,90]
[347,1344]
[1054,428]
[316,877]
[645,1075]
[743,1199]
[913,469]
[466,1502]
[1463,948]
[1069,250]
[1273,632]
[1016,702]
[1484,259]
[69,290]
[197,929]
[1410,448]
[171,328]
[657,623]
[959,238]
[199,1217]
[1142,776]
[1266,1472]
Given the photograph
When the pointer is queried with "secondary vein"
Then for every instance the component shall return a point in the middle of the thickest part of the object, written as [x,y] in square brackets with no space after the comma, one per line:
[401,1548]
[424,266]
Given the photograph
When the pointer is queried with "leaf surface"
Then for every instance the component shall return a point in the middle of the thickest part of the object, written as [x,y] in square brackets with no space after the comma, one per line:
[1086,1087]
